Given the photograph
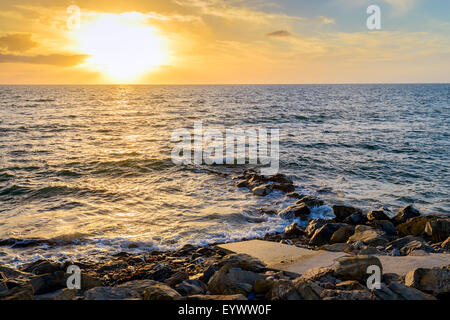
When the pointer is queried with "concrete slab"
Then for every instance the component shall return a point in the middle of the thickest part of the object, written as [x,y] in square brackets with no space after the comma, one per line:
[298,260]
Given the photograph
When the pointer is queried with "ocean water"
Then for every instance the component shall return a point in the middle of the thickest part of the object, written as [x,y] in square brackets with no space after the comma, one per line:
[86,171]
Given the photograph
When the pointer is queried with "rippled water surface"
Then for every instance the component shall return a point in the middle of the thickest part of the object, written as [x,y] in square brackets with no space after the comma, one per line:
[89,167]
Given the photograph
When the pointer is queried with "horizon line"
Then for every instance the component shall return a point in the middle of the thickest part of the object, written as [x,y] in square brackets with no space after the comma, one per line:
[216,84]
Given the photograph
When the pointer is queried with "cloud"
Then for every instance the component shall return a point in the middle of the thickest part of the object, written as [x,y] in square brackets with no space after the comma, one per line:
[17,42]
[279,33]
[52,59]
[402,6]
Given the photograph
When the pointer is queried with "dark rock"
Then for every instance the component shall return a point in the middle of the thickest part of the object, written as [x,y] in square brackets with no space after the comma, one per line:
[415,245]
[262,190]
[50,282]
[377,215]
[229,280]
[384,225]
[346,295]
[160,291]
[438,230]
[342,234]
[446,244]
[435,280]
[415,226]
[308,290]
[60,295]
[355,267]
[323,235]
[176,278]
[350,285]
[400,243]
[310,201]
[355,219]
[283,290]
[293,230]
[280,178]
[314,225]
[41,267]
[284,187]
[191,287]
[404,214]
[243,261]
[232,297]
[408,293]
[294,211]
[342,212]
[263,285]
[242,184]
[208,273]
[369,236]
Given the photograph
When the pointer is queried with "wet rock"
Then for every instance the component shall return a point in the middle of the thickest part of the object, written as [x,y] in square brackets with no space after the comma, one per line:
[438,230]
[280,178]
[369,236]
[414,226]
[435,280]
[176,278]
[63,294]
[377,215]
[262,190]
[232,297]
[294,211]
[346,295]
[11,273]
[355,219]
[314,225]
[350,285]
[342,212]
[308,290]
[20,290]
[186,250]
[285,187]
[41,266]
[229,280]
[323,235]
[293,195]
[243,261]
[242,184]
[384,225]
[160,291]
[408,293]
[191,287]
[263,285]
[283,290]
[355,267]
[404,214]
[342,234]
[293,230]
[310,201]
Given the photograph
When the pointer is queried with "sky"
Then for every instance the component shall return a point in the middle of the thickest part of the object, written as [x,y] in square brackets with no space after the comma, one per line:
[223,42]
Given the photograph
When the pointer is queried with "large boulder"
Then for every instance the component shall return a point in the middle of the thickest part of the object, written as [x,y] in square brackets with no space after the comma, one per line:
[377,215]
[369,236]
[435,280]
[415,226]
[355,219]
[408,293]
[293,230]
[355,267]
[438,229]
[323,235]
[283,290]
[229,280]
[191,287]
[342,234]
[243,261]
[310,201]
[401,242]
[298,210]
[342,212]
[384,225]
[314,225]
[308,290]
[160,291]
[404,214]
[262,190]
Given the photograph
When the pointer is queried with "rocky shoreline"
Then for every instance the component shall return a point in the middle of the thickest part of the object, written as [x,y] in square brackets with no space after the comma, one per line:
[211,273]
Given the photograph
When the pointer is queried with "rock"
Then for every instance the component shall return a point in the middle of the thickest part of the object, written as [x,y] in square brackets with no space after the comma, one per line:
[369,251]
[438,230]
[112,267]
[415,245]
[294,211]
[229,280]
[400,243]
[355,267]
[50,282]
[243,261]
[323,235]
[232,297]
[111,293]
[408,293]
[404,214]
[283,290]
[89,282]
[22,290]
[285,187]
[337,247]
[446,244]
[435,280]
[308,290]
[350,285]
[314,225]
[384,225]
[358,245]
[262,190]
[293,195]
[63,294]
[384,293]
[414,226]
[41,266]
[355,219]
[263,285]
[369,236]
[191,287]
[241,184]
[342,234]
[208,273]
[11,273]
[186,249]
[310,201]
[377,215]
[316,274]
[160,291]
[346,295]
[293,230]
[176,278]
[342,212]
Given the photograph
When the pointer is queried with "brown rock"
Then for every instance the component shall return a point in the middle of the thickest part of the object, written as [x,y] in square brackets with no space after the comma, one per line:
[232,297]
[350,285]
[342,234]
[283,290]
[308,290]
[438,230]
[446,244]
[293,230]
[262,190]
[160,291]
[408,293]
[404,214]
[314,225]
[414,226]
[229,280]
[377,215]
[355,267]
[294,211]
[263,285]
[310,201]
[369,236]
[323,235]
[346,295]
[435,280]
[176,278]
[243,261]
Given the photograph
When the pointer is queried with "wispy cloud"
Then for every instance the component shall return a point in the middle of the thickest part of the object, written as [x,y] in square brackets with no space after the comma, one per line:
[279,33]
[61,60]
[17,42]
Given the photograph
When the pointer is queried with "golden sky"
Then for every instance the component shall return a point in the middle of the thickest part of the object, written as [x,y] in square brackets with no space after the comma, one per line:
[222,41]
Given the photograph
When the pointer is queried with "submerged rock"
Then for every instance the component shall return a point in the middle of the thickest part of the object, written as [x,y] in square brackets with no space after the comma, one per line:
[310,201]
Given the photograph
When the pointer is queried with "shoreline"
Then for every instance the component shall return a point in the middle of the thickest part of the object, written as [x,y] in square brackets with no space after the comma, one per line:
[211,273]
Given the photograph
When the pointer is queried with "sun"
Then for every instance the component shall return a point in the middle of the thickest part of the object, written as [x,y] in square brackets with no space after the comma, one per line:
[121,46]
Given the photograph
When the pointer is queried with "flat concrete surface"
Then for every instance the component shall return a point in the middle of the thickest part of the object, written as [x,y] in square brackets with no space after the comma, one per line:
[298,260]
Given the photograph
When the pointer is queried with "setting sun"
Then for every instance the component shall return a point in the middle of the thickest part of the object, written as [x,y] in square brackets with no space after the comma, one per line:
[121,46]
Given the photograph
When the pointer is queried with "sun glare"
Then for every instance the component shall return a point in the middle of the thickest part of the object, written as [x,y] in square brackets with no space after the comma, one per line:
[121,46]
